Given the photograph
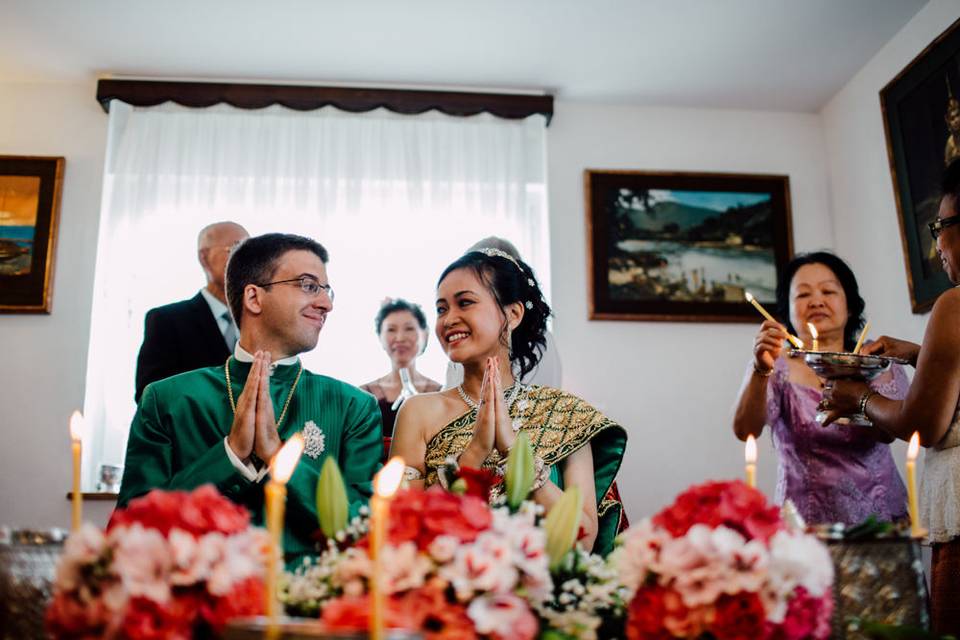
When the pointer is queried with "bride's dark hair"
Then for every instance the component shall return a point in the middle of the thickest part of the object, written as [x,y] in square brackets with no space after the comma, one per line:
[512,280]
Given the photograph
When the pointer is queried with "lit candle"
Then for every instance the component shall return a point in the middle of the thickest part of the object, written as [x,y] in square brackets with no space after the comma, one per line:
[916,530]
[814,335]
[863,334]
[750,456]
[385,484]
[281,468]
[795,341]
[76,446]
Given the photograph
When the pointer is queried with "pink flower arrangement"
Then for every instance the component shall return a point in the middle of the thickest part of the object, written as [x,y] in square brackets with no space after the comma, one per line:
[453,568]
[168,564]
[720,561]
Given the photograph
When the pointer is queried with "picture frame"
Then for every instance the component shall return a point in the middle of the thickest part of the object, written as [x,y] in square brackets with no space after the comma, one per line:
[30,189]
[684,247]
[921,118]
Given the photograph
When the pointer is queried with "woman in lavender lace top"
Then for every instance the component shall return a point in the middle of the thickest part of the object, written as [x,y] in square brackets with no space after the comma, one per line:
[835,473]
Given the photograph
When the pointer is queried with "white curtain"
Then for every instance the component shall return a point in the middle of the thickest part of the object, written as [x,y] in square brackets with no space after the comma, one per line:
[393,198]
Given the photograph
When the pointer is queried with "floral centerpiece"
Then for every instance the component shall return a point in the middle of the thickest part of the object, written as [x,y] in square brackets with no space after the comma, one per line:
[454,568]
[720,563]
[168,566]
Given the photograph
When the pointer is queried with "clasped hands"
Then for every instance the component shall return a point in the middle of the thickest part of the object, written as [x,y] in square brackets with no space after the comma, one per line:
[254,429]
[494,428]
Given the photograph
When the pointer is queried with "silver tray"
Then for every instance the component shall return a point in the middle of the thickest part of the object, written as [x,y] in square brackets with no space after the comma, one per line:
[831,365]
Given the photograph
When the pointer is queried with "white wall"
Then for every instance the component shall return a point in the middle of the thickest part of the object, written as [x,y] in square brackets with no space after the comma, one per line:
[672,385]
[862,198]
[44,357]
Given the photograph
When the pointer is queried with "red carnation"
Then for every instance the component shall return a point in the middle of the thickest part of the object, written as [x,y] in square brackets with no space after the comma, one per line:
[421,516]
[646,613]
[807,617]
[739,617]
[247,598]
[479,482]
[202,511]
[731,504]
[149,620]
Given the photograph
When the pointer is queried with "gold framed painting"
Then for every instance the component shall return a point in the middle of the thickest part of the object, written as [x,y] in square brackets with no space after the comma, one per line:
[921,117]
[684,247]
[29,214]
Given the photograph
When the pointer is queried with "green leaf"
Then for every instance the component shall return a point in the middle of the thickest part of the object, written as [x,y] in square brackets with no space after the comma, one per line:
[520,471]
[562,525]
[332,507]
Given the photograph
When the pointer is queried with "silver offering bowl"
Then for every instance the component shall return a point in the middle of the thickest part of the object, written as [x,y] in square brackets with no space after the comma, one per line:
[831,365]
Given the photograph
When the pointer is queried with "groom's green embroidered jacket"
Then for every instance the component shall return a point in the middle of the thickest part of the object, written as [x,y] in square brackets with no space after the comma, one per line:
[177,442]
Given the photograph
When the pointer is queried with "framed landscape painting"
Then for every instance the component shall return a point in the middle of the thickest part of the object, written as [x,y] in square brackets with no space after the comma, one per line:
[29,208]
[684,246]
[921,116]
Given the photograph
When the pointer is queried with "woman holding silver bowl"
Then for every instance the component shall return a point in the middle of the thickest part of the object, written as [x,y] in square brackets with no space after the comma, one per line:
[831,474]
[931,408]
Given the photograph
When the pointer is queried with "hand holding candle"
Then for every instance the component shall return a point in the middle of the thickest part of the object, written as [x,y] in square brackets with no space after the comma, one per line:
[796,342]
[76,447]
[385,484]
[281,468]
[750,457]
[913,450]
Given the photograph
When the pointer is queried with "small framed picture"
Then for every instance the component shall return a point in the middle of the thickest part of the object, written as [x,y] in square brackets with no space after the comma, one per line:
[676,246]
[921,117]
[29,213]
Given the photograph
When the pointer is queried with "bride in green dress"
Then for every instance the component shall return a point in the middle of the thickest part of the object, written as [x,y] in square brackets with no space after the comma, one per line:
[492,319]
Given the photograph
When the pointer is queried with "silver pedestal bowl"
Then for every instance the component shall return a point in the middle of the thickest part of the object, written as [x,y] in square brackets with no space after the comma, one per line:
[831,365]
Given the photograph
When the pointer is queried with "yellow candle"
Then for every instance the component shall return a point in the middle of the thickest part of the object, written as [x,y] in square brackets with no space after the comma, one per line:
[76,447]
[863,334]
[385,484]
[916,530]
[750,457]
[813,334]
[796,342]
[275,493]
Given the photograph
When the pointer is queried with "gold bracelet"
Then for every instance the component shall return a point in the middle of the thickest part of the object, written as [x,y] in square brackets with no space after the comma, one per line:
[762,374]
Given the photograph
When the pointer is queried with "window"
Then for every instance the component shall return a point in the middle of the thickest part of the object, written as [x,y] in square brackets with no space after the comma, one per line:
[393,198]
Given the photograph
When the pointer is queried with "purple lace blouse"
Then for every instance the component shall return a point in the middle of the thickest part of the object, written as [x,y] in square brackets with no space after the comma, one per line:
[834,473]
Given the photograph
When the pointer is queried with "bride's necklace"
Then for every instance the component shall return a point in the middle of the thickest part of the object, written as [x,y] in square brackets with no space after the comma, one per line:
[286,405]
[512,392]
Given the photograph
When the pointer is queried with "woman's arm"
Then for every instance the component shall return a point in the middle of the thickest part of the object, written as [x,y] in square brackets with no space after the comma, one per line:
[577,471]
[931,401]
[408,437]
[751,411]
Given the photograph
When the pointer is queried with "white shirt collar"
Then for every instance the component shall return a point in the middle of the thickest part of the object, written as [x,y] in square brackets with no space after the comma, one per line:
[217,307]
[242,355]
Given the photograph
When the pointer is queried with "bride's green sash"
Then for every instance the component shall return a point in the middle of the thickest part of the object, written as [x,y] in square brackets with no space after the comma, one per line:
[557,424]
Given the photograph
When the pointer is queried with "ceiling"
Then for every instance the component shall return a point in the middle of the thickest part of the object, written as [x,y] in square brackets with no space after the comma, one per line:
[790,55]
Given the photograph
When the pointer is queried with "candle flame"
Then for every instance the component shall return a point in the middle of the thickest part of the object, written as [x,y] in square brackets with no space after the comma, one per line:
[386,483]
[748,296]
[813,331]
[76,425]
[914,447]
[285,461]
[750,450]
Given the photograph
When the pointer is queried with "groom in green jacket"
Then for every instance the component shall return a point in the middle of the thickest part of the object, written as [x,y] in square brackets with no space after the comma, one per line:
[223,424]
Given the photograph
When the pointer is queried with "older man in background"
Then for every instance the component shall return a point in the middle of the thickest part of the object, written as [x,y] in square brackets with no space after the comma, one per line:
[198,332]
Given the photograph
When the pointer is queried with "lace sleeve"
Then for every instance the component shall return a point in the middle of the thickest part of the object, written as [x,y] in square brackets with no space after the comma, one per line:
[892,384]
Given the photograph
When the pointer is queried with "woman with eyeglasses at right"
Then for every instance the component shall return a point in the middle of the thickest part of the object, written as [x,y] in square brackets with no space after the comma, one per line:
[931,407]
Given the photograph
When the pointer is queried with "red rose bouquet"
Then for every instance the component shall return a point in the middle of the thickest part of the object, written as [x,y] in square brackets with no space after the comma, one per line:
[167,565]
[720,563]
